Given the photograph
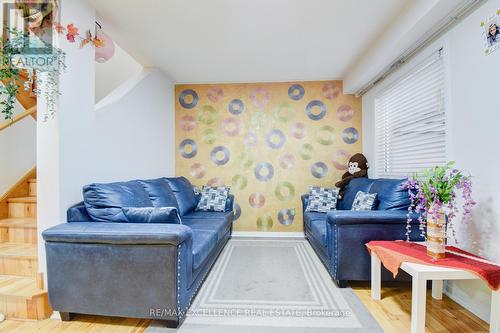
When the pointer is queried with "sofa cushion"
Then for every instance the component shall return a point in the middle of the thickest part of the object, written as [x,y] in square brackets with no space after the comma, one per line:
[184,194]
[390,194]
[220,226]
[318,230]
[196,215]
[152,215]
[355,185]
[160,193]
[204,241]
[104,202]
[312,216]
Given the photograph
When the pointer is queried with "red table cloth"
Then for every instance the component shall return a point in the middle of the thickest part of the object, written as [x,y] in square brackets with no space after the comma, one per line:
[393,253]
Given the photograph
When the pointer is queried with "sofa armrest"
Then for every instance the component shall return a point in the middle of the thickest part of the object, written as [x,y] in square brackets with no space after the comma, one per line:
[348,217]
[118,233]
[229,203]
[78,213]
[305,201]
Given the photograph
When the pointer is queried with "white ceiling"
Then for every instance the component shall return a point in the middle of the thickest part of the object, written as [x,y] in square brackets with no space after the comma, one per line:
[202,41]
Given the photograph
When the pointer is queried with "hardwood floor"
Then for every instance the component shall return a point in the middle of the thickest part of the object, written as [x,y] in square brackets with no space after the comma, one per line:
[81,324]
[392,313]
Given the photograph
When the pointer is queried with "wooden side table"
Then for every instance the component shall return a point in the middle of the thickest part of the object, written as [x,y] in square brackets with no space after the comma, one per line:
[420,274]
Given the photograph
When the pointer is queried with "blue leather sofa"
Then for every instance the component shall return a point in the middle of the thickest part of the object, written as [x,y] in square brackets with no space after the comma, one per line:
[139,270]
[339,236]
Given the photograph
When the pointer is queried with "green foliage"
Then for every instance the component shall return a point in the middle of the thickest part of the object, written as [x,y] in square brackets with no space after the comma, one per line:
[9,74]
[440,182]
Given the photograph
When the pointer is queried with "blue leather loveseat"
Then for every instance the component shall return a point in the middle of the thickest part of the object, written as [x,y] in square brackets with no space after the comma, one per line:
[339,236]
[139,270]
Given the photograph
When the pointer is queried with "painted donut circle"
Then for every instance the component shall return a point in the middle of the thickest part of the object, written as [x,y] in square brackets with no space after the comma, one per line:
[258,120]
[250,139]
[340,159]
[319,170]
[306,151]
[187,123]
[259,97]
[264,166]
[239,182]
[284,191]
[198,170]
[286,216]
[326,135]
[256,200]
[237,212]
[215,94]
[287,161]
[265,222]
[207,115]
[188,98]
[296,92]
[231,126]
[275,139]
[331,90]
[350,135]
[208,136]
[188,148]
[216,182]
[284,112]
[345,113]
[216,156]
[235,107]
[312,106]
[246,160]
[299,130]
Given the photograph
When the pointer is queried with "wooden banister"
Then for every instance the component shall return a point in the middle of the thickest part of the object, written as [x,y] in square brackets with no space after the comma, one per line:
[30,112]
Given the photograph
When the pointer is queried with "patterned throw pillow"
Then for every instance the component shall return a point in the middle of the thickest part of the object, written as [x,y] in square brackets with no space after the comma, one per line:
[213,199]
[322,200]
[364,201]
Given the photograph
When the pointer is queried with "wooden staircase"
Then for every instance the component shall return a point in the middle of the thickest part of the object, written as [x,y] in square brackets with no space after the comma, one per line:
[22,294]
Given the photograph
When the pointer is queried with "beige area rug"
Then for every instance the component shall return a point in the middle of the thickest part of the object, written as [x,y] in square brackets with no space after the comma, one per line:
[273,285]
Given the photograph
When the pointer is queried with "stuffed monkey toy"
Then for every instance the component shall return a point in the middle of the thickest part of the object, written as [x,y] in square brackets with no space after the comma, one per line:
[357,167]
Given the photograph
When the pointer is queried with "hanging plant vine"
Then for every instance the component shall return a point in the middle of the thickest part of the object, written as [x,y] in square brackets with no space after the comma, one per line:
[45,78]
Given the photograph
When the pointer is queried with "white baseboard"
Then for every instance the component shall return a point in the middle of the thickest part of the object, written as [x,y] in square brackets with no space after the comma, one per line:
[261,234]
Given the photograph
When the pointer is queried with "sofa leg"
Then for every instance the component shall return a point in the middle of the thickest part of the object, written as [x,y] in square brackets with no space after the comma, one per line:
[66,316]
[342,283]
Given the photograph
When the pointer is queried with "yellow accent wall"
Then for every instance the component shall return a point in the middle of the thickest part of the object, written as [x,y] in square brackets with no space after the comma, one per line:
[268,141]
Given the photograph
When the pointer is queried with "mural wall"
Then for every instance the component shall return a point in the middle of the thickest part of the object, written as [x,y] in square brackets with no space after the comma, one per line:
[268,141]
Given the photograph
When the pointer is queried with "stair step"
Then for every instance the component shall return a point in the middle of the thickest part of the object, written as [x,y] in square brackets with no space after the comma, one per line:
[18,230]
[22,200]
[32,187]
[19,286]
[20,298]
[18,259]
[22,207]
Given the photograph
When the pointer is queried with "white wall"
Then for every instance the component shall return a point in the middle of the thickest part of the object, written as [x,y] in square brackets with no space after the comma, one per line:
[138,129]
[128,138]
[473,136]
[17,150]
[115,71]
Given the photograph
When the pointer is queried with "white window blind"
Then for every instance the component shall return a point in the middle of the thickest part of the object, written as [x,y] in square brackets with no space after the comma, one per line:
[410,121]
